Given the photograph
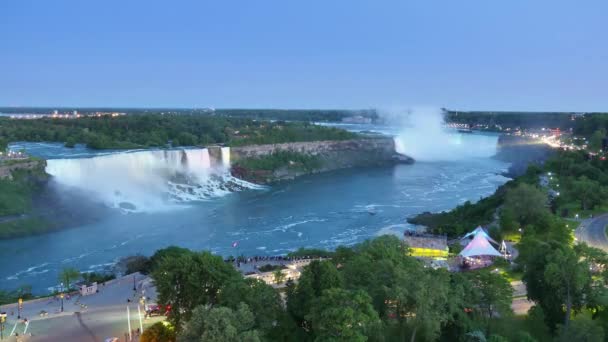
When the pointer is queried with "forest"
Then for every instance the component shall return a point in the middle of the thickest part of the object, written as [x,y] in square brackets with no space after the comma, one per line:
[325,115]
[374,291]
[156,130]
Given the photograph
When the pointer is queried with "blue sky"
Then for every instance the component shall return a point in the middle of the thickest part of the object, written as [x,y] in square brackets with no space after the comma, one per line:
[466,54]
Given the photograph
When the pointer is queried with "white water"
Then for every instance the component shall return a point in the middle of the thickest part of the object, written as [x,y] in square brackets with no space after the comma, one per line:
[205,159]
[148,180]
[226,157]
[422,135]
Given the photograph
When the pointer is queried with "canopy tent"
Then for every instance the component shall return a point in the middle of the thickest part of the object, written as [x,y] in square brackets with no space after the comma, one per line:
[479,246]
[480,230]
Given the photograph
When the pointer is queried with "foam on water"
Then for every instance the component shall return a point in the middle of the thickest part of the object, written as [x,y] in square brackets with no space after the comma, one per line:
[155,180]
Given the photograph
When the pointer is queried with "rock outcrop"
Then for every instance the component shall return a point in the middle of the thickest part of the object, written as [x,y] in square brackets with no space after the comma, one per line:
[331,155]
[521,152]
[33,167]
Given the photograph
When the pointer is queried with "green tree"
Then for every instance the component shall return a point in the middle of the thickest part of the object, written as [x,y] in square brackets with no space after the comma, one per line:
[341,315]
[70,142]
[159,332]
[316,277]
[413,299]
[583,329]
[166,253]
[527,203]
[590,193]
[68,275]
[262,300]
[422,302]
[493,293]
[3,144]
[187,139]
[278,276]
[595,141]
[508,220]
[190,280]
[220,324]
[569,278]
[534,261]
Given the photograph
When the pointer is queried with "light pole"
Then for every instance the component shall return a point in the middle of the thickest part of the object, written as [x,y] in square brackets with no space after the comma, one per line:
[61,296]
[2,320]
[19,306]
[134,287]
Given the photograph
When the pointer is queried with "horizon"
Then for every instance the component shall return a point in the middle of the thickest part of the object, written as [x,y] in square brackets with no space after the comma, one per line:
[480,111]
[544,56]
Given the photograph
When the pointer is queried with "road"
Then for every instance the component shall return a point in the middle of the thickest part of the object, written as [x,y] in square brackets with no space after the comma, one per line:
[90,318]
[593,232]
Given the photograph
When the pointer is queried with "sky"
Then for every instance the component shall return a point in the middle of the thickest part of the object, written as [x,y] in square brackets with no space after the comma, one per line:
[542,55]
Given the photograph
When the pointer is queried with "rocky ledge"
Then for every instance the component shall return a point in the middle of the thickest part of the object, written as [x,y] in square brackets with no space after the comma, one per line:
[265,164]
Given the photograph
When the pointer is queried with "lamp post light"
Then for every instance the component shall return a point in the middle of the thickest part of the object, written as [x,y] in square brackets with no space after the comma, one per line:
[61,296]
[19,307]
[2,320]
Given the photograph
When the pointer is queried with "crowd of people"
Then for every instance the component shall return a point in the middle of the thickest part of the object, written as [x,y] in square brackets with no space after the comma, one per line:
[278,258]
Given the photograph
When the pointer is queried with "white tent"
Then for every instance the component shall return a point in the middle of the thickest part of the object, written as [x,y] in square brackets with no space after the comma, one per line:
[480,230]
[479,246]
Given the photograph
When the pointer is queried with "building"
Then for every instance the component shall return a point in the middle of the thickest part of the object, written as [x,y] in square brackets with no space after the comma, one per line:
[427,246]
[87,289]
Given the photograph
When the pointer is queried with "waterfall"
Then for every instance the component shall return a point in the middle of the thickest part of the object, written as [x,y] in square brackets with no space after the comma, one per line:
[147,180]
[197,165]
[206,159]
[226,157]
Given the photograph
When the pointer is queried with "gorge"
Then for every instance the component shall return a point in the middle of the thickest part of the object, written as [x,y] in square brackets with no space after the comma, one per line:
[339,207]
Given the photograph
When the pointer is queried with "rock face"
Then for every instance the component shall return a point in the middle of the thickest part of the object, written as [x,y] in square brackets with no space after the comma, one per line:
[521,152]
[332,155]
[33,167]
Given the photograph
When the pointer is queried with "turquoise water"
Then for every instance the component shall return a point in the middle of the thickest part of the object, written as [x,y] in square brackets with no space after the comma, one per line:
[324,210]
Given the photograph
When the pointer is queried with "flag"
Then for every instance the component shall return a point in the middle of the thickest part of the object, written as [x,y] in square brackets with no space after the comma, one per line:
[234,244]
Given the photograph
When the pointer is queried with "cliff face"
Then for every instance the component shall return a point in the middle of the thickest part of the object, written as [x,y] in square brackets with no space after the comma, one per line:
[521,152]
[328,155]
[33,168]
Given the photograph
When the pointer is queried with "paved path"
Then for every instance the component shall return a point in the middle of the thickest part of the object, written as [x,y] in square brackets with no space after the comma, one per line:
[593,232]
[102,315]
[520,304]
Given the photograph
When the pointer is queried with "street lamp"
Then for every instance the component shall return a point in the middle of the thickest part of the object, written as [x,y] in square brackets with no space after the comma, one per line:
[61,296]
[19,306]
[2,320]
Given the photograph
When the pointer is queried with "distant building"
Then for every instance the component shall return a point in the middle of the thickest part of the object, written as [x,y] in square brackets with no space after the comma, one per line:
[87,289]
[358,119]
[427,246]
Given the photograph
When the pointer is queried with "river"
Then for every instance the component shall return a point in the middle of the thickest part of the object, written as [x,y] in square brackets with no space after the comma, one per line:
[324,210]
